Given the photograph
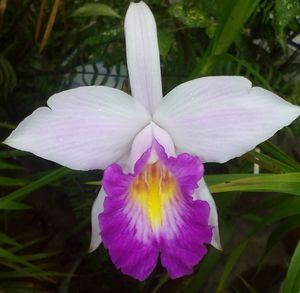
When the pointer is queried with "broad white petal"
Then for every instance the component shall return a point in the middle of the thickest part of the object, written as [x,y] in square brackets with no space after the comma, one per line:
[143,55]
[83,128]
[96,210]
[202,193]
[219,118]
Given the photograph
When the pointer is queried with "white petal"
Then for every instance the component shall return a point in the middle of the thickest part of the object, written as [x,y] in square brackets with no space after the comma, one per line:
[83,128]
[219,118]
[203,193]
[143,55]
[96,210]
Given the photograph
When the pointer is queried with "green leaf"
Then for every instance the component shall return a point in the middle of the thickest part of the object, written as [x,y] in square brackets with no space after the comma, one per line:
[8,240]
[9,166]
[13,153]
[192,16]
[6,254]
[234,15]
[38,256]
[247,285]
[97,183]
[233,258]
[280,232]
[292,281]
[269,148]
[13,205]
[49,178]
[95,9]
[289,207]
[28,272]
[285,183]
[163,279]
[208,264]
[285,12]
[165,41]
[248,66]
[7,181]
[33,240]
[101,37]
[221,178]
[7,125]
[8,79]
[269,163]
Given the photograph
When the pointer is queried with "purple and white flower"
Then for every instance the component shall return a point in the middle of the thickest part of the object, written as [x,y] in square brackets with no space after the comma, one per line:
[154,201]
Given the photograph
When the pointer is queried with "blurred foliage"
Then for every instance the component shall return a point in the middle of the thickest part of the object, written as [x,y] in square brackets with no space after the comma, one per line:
[45,210]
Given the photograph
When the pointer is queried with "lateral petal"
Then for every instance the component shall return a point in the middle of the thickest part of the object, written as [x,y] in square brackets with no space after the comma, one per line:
[143,55]
[219,118]
[202,193]
[84,128]
[96,210]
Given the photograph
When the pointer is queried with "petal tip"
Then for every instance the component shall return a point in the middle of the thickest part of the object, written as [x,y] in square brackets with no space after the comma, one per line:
[95,242]
[216,243]
[136,5]
[6,141]
[12,142]
[93,246]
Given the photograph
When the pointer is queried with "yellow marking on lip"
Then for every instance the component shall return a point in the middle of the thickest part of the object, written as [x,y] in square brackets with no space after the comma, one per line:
[153,188]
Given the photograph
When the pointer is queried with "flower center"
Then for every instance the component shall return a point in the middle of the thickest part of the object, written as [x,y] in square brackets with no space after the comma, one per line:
[153,189]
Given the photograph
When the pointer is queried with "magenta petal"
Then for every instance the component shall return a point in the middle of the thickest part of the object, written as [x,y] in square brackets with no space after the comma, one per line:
[152,212]
[187,249]
[133,257]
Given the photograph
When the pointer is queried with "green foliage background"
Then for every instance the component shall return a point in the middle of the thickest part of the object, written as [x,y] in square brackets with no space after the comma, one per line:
[45,209]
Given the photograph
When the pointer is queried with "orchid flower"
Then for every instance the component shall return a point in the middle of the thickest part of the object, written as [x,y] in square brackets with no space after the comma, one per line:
[154,201]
